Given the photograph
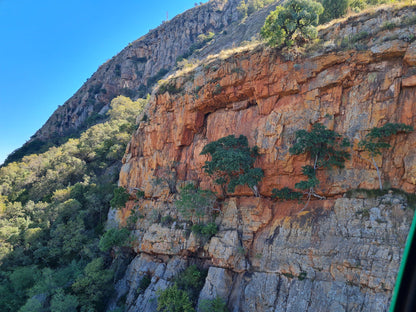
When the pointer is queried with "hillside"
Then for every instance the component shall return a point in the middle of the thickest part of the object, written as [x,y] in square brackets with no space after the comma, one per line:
[276,255]
[134,71]
[241,183]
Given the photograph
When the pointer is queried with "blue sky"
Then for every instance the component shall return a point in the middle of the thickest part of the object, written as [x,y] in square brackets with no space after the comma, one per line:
[49,48]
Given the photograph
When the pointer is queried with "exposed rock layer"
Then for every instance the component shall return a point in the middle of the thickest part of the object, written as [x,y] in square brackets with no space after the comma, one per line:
[128,72]
[341,254]
[267,98]
[344,257]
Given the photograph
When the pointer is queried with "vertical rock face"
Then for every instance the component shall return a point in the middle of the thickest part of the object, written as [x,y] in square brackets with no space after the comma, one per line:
[342,254]
[260,94]
[342,257]
[148,59]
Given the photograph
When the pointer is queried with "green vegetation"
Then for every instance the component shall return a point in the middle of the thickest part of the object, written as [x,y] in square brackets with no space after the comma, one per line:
[140,194]
[194,202]
[286,194]
[333,9]
[32,147]
[112,238]
[52,212]
[144,283]
[173,299]
[205,231]
[294,22]
[377,138]
[182,296]
[93,286]
[232,163]
[120,198]
[215,305]
[325,148]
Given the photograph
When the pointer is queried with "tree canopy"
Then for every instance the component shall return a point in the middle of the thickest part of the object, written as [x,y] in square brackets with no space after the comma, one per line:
[294,22]
[232,163]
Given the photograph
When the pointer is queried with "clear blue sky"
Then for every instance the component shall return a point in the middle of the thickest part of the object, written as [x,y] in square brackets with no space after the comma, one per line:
[48,48]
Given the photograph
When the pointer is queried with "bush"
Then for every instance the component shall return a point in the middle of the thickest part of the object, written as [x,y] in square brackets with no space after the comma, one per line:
[214,305]
[205,230]
[113,237]
[286,194]
[93,286]
[144,283]
[232,163]
[295,21]
[191,280]
[325,149]
[333,9]
[63,303]
[173,299]
[140,194]
[120,198]
[194,202]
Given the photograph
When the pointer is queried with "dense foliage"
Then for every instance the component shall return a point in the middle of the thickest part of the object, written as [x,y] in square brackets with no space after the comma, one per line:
[232,163]
[120,198]
[182,296]
[52,209]
[294,22]
[377,139]
[333,9]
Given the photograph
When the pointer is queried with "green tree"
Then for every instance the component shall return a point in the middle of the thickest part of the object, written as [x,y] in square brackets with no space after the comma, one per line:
[93,286]
[295,21]
[191,280]
[232,163]
[325,148]
[62,302]
[124,108]
[113,237]
[333,9]
[376,140]
[52,208]
[121,196]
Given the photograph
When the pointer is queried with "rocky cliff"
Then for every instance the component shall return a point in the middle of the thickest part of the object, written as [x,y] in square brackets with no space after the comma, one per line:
[136,68]
[340,254]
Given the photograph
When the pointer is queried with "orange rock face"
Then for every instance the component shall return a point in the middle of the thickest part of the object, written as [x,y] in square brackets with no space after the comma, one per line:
[266,98]
[265,248]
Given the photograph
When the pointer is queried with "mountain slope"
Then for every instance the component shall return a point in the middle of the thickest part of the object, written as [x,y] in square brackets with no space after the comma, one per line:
[138,66]
[272,255]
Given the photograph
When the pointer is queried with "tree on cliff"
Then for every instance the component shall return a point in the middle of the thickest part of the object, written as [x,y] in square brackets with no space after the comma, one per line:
[333,9]
[376,140]
[232,163]
[326,149]
[295,21]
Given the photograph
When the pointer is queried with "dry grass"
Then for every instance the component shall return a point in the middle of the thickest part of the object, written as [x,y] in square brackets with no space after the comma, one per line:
[189,66]
[369,10]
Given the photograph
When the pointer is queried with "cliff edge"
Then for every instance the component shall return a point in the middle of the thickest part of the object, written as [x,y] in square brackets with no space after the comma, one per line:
[340,254]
